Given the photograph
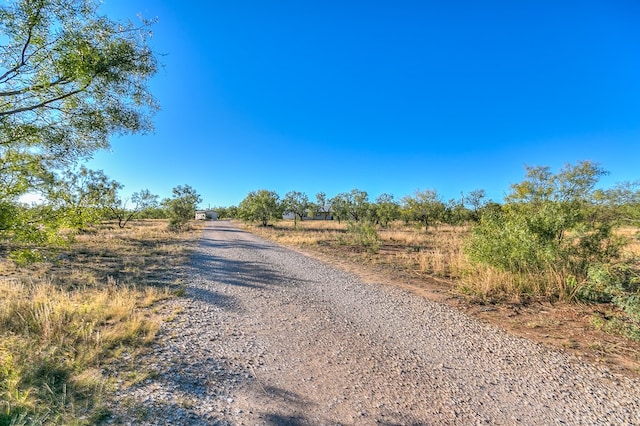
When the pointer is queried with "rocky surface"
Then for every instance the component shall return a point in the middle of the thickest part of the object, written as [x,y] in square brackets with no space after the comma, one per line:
[267,336]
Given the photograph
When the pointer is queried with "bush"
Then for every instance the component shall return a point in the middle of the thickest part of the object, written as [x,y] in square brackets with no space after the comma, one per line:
[365,235]
[550,228]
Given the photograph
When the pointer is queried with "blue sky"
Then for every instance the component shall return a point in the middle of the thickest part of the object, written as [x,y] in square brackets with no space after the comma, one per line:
[383,96]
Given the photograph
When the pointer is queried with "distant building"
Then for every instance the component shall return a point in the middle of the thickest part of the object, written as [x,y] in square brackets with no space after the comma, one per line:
[206,214]
[323,213]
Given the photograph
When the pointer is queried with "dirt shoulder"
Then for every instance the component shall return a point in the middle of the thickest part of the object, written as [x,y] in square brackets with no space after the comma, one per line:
[562,326]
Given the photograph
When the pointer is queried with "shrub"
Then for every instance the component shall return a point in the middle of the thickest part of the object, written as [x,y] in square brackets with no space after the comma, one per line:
[365,235]
[549,227]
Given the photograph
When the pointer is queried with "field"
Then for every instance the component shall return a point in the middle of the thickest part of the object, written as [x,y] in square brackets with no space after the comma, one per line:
[433,263]
[91,308]
[68,323]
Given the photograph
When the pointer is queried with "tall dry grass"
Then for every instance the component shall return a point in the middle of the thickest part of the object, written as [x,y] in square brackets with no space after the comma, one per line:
[63,322]
[436,252]
[53,341]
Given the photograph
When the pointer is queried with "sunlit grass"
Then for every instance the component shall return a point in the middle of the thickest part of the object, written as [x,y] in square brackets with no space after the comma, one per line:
[63,321]
[437,253]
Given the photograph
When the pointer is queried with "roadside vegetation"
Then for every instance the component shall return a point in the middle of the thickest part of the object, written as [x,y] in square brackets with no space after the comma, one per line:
[67,324]
[557,237]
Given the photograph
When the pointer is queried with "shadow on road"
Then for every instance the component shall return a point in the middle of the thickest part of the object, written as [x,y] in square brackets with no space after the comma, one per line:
[230,261]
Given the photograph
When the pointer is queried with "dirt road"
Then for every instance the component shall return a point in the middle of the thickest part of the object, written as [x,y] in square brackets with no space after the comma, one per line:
[268,336]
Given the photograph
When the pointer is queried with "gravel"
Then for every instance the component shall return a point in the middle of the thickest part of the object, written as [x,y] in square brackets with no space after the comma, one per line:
[267,336]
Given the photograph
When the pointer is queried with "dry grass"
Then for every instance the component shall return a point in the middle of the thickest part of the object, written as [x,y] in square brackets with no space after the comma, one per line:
[63,322]
[632,235]
[437,253]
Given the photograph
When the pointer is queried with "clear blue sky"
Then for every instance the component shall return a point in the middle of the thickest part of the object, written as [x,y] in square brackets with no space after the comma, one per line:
[383,96]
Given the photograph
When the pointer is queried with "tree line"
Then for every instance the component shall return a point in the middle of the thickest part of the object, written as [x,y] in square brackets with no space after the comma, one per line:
[424,207]
[618,206]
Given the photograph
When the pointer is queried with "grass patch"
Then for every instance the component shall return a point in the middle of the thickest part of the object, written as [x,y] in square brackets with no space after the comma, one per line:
[64,322]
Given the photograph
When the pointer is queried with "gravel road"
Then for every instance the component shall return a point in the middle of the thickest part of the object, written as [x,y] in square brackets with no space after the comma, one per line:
[267,336]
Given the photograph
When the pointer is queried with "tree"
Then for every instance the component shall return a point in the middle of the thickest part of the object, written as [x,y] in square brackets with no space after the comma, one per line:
[296,203]
[386,209]
[353,205]
[322,205]
[358,204]
[260,206]
[622,202]
[476,201]
[82,198]
[340,207]
[549,224]
[120,209]
[455,213]
[425,207]
[181,208]
[230,212]
[69,78]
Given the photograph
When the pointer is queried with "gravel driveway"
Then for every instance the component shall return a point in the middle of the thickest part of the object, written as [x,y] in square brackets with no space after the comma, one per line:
[268,336]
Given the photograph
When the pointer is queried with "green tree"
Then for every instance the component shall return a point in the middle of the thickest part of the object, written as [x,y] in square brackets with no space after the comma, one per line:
[353,205]
[296,203]
[340,207]
[385,210]
[181,208]
[230,212]
[455,213]
[424,207]
[358,204]
[261,206]
[82,198]
[476,200]
[69,79]
[21,225]
[622,202]
[322,206]
[140,201]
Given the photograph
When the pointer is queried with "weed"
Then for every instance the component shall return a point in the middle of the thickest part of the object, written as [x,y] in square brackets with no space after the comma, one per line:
[616,324]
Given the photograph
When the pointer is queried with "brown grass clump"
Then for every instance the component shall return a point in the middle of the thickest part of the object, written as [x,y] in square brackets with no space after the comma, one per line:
[63,322]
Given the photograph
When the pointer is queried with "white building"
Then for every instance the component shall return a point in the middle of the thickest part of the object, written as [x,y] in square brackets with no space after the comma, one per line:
[206,214]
